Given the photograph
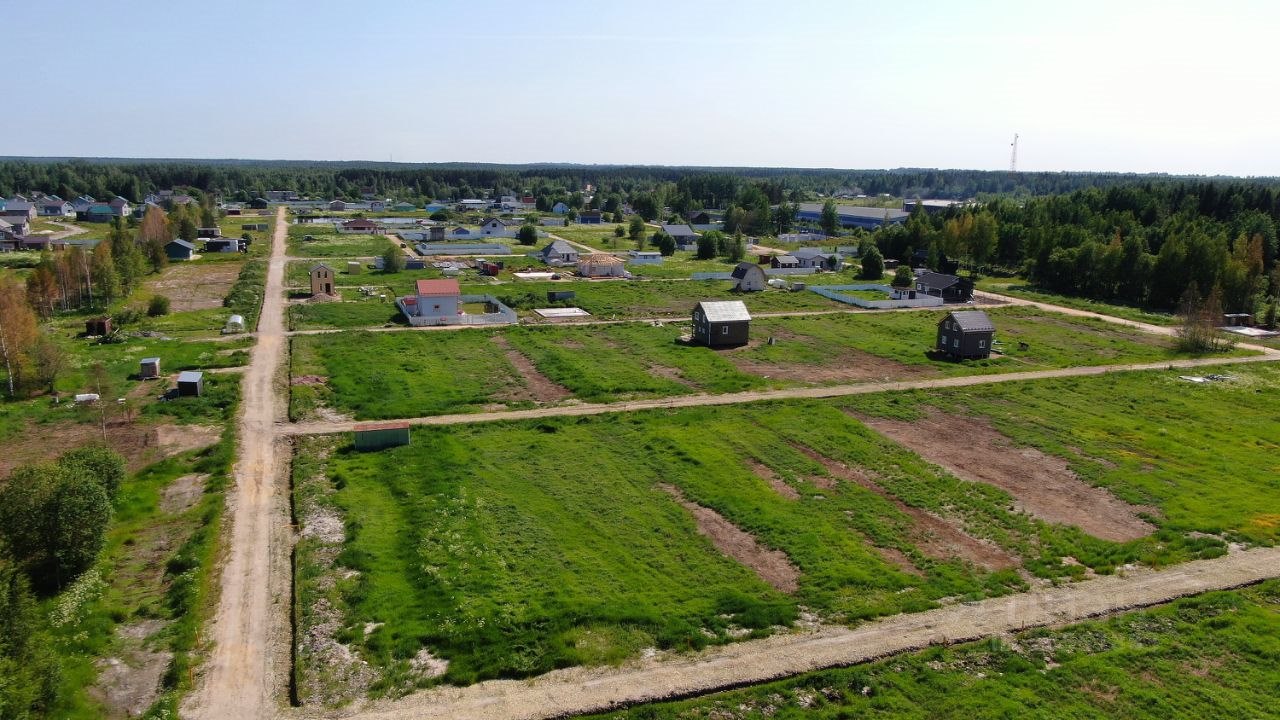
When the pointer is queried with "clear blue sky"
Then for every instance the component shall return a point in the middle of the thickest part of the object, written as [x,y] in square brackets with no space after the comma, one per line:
[1115,85]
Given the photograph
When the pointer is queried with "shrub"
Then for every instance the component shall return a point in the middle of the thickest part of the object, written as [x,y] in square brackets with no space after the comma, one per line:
[392,260]
[903,277]
[54,519]
[527,235]
[158,306]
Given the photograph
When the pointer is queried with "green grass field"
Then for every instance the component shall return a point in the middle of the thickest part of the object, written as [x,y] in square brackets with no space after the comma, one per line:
[1203,454]
[1018,287]
[514,548]
[411,374]
[1212,656]
[328,243]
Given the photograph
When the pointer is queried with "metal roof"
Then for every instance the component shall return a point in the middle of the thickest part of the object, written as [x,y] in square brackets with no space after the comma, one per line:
[439,287]
[741,269]
[559,246]
[936,280]
[972,320]
[724,310]
[367,427]
[677,231]
[857,211]
[150,361]
[190,376]
[183,243]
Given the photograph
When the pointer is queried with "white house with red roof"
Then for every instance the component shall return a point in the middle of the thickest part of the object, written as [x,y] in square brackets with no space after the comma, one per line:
[436,302]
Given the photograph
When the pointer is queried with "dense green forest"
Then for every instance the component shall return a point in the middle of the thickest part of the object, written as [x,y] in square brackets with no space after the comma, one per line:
[707,187]
[1141,244]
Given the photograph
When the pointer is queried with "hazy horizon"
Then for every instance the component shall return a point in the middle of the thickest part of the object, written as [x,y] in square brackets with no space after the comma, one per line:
[1176,88]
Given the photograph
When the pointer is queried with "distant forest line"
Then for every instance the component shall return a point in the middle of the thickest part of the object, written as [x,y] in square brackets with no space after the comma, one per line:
[709,186]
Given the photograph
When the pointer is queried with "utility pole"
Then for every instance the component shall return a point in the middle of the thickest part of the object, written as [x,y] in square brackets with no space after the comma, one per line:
[1013,158]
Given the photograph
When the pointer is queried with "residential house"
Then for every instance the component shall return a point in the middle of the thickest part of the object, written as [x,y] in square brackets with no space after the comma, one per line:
[83,203]
[18,207]
[599,265]
[721,323]
[948,287]
[966,334]
[460,232]
[17,226]
[474,204]
[685,237]
[810,257]
[377,205]
[209,232]
[322,280]
[179,249]
[697,217]
[494,227]
[644,257]
[404,207]
[54,206]
[553,222]
[749,277]
[337,205]
[120,207]
[558,252]
[784,261]
[440,301]
[560,208]
[360,226]
[590,217]
[280,195]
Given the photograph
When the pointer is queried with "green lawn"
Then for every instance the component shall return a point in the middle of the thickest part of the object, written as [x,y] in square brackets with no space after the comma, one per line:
[328,243]
[1211,656]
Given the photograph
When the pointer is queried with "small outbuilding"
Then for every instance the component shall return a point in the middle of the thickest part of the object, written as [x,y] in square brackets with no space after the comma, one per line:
[235,324]
[377,436]
[97,326]
[721,323]
[966,334]
[322,280]
[149,368]
[179,249]
[748,277]
[190,383]
[353,267]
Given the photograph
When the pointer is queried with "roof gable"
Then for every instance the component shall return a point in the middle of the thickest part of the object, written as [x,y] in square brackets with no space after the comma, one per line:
[447,286]
[724,310]
[971,320]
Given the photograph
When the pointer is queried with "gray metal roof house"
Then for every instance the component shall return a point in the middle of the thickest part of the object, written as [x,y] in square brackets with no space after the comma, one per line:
[721,323]
[966,334]
[558,252]
[749,277]
[948,287]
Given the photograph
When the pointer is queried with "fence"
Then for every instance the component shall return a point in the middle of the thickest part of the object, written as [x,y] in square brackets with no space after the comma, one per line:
[894,300]
[502,316]
[462,249]
[767,271]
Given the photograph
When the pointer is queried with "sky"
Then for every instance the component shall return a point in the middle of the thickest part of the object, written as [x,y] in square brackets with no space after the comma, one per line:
[1178,87]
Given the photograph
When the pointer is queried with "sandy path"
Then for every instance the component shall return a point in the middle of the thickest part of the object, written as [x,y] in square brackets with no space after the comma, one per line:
[682,401]
[578,690]
[239,679]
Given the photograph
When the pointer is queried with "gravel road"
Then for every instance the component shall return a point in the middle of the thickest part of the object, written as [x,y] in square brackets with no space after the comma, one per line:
[239,679]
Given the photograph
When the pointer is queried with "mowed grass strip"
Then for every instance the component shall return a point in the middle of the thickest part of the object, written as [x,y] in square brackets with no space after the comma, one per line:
[1210,656]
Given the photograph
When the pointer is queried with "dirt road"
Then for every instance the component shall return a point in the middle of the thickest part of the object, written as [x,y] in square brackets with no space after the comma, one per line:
[681,401]
[239,678]
[577,690]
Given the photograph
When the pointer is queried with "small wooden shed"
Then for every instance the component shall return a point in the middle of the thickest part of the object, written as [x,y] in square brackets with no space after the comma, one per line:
[966,334]
[353,267]
[377,436]
[98,326]
[721,323]
[190,383]
[149,368]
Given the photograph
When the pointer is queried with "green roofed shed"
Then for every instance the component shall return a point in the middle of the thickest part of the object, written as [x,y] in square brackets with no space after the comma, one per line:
[377,436]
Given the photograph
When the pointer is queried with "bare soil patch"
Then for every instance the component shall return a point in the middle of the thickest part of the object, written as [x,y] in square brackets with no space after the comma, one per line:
[196,286]
[537,387]
[672,374]
[932,535]
[309,380]
[183,493]
[773,566]
[140,444]
[1041,485]
[853,365]
[764,472]
[130,682]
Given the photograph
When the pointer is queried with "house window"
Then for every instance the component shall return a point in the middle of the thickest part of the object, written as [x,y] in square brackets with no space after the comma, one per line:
[944,339]
[982,343]
[955,343]
[724,330]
